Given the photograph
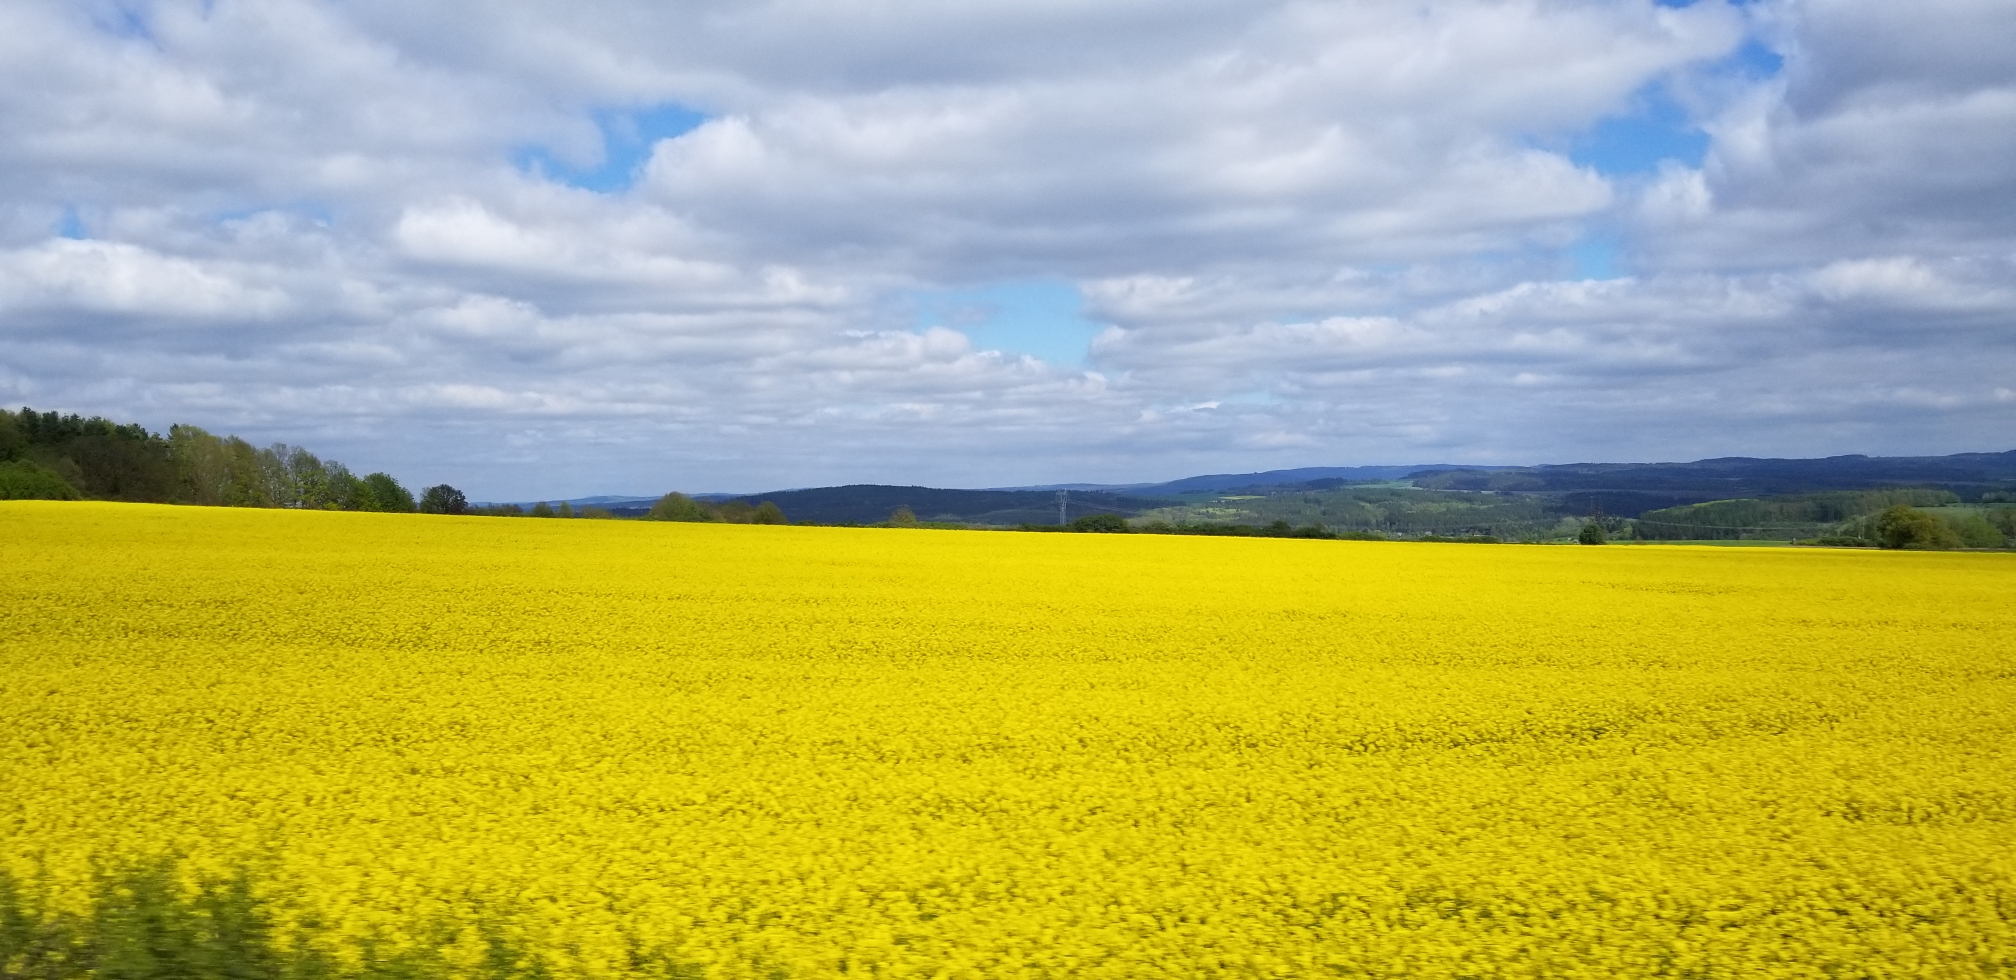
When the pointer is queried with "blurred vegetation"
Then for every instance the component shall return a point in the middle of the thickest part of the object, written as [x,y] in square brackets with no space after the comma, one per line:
[153,922]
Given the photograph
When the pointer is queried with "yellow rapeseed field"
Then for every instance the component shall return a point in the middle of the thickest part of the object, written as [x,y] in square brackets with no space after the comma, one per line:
[619,748]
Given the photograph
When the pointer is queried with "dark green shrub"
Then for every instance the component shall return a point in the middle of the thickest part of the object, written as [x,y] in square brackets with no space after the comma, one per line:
[1904,526]
[443,499]
[1101,524]
[679,507]
[23,480]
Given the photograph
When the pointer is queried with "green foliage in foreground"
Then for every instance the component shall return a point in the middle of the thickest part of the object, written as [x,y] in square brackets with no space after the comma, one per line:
[144,926]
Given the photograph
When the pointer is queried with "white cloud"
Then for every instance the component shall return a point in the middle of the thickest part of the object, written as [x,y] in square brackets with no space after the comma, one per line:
[1311,232]
[112,277]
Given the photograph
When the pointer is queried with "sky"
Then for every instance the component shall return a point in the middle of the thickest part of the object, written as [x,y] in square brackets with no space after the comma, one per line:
[546,249]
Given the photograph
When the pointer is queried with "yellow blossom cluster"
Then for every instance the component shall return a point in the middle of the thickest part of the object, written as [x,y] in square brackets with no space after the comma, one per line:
[730,751]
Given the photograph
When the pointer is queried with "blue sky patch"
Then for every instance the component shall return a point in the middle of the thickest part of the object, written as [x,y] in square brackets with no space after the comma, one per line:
[120,20]
[1657,128]
[627,139]
[1636,143]
[1595,257]
[1756,60]
[1044,318]
[318,213]
[71,226]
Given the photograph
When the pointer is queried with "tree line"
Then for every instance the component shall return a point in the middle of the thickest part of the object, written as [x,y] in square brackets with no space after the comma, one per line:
[47,456]
[679,507]
[1887,518]
[51,456]
[1798,515]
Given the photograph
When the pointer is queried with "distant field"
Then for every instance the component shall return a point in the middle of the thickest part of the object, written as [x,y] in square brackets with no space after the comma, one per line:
[404,745]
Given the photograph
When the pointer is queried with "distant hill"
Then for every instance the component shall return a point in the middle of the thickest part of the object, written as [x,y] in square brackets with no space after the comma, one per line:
[1616,489]
[872,503]
[1305,476]
[1742,476]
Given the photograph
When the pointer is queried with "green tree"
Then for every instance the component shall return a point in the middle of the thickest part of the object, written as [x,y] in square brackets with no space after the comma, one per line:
[346,491]
[564,510]
[677,506]
[443,499]
[1104,524]
[767,513]
[101,459]
[202,466]
[276,477]
[13,442]
[1976,531]
[23,480]
[385,494]
[246,476]
[1592,533]
[903,516]
[2004,519]
[1904,526]
[542,509]
[309,478]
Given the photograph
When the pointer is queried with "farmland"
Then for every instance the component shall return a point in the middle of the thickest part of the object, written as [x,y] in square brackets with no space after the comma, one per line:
[583,749]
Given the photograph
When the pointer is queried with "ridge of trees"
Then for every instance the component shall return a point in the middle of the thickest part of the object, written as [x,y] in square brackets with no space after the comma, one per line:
[44,455]
[677,506]
[1742,476]
[1729,518]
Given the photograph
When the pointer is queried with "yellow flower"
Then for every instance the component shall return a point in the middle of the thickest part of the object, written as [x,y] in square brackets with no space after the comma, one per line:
[612,748]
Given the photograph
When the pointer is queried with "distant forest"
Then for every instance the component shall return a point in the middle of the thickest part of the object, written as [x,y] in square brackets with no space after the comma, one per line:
[44,455]
[1958,501]
[47,456]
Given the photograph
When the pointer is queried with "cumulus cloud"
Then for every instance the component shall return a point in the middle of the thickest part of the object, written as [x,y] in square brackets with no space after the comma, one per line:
[1304,233]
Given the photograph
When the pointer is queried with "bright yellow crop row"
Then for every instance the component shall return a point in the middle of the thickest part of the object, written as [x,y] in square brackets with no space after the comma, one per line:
[820,751]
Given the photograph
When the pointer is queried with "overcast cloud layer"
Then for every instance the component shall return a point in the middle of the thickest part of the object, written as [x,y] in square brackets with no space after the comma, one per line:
[551,249]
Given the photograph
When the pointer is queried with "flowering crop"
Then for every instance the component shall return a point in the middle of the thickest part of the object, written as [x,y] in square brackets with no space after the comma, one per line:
[618,748]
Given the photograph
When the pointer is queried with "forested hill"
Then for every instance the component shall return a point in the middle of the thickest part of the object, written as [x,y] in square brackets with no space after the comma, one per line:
[1308,476]
[1739,476]
[871,503]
